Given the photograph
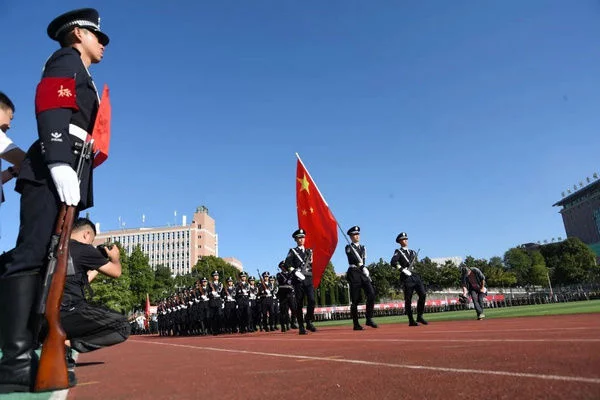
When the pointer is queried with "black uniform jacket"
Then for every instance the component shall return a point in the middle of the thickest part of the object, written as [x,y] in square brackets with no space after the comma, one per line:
[65,96]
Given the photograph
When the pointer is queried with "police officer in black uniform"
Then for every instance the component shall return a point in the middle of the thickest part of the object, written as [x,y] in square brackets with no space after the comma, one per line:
[243,303]
[215,304]
[358,278]
[300,259]
[286,296]
[254,304]
[66,104]
[404,259]
[230,309]
[265,292]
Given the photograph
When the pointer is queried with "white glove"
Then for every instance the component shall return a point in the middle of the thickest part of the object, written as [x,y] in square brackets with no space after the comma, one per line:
[484,290]
[406,272]
[366,272]
[204,298]
[66,182]
[268,292]
[299,275]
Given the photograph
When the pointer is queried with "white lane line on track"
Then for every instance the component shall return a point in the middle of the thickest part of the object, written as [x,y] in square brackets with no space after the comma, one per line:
[358,339]
[381,364]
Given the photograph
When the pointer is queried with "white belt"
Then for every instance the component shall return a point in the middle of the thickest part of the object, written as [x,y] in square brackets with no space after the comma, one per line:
[78,132]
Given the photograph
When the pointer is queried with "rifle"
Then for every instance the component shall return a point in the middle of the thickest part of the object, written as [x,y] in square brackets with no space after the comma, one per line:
[262,281]
[52,371]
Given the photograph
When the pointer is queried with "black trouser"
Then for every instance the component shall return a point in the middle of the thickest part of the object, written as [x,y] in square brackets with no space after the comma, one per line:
[359,281]
[243,310]
[412,284]
[230,316]
[255,313]
[215,316]
[91,327]
[305,289]
[287,304]
[39,209]
[268,315]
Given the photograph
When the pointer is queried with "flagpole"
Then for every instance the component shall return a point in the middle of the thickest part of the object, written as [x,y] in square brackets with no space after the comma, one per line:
[313,181]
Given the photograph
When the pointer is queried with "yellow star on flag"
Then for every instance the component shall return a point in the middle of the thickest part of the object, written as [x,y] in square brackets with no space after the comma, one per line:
[304,183]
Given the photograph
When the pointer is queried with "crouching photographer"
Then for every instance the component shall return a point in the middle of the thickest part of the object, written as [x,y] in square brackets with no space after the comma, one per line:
[89,327]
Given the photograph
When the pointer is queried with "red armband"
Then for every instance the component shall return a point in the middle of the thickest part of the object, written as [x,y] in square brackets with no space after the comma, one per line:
[54,93]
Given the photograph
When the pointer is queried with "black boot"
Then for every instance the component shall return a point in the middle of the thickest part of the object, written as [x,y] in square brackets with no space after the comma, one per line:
[301,330]
[371,323]
[422,320]
[18,326]
[310,326]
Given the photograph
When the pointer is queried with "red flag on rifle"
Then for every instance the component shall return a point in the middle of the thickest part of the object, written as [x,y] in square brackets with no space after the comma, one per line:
[101,132]
[316,219]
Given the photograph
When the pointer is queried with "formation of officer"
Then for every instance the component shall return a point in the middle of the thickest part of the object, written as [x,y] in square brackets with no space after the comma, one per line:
[359,279]
[404,260]
[215,308]
[299,260]
[66,106]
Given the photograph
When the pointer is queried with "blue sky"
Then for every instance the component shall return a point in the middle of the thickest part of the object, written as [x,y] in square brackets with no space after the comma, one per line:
[458,122]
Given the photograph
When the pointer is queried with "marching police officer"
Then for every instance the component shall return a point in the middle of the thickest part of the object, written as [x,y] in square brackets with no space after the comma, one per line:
[404,259]
[215,304]
[286,296]
[243,303]
[230,307]
[265,291]
[254,304]
[66,104]
[358,278]
[299,259]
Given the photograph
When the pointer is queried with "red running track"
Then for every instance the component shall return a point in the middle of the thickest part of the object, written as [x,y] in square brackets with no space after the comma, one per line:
[554,357]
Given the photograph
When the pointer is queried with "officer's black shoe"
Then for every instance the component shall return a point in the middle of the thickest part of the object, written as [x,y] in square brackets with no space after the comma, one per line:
[311,327]
[422,320]
[283,329]
[357,327]
[413,323]
[302,331]
[274,328]
[371,324]
[18,366]
[70,359]
[294,326]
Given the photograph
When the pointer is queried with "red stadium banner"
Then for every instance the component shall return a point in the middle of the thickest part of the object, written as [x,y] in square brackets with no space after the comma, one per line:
[315,217]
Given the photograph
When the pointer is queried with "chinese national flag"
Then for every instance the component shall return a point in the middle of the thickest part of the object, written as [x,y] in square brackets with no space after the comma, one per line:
[316,219]
[101,132]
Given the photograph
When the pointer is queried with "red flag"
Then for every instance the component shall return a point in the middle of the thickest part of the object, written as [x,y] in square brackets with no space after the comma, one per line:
[147,305]
[316,219]
[101,132]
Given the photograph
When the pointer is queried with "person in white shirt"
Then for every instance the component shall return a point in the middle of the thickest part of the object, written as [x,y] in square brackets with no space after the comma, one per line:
[8,150]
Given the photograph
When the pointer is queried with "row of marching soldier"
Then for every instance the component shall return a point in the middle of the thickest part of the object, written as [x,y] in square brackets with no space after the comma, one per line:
[248,305]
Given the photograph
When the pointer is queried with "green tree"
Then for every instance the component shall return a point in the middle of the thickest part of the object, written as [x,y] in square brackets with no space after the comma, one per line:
[570,261]
[163,284]
[207,264]
[496,274]
[141,275]
[538,274]
[518,261]
[114,292]
[385,278]
[449,275]
[429,273]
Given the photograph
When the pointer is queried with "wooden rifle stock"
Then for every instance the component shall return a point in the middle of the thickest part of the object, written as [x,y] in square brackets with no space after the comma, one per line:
[52,371]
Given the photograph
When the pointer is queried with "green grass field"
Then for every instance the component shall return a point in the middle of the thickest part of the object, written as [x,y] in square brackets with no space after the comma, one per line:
[578,307]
